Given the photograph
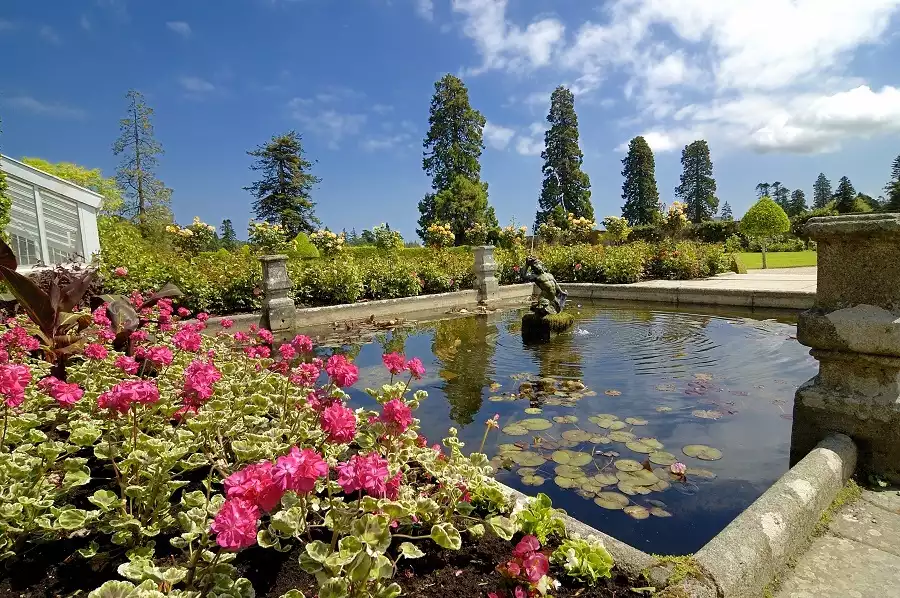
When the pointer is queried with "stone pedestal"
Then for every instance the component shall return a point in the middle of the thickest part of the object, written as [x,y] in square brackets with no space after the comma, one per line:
[854,332]
[278,310]
[485,269]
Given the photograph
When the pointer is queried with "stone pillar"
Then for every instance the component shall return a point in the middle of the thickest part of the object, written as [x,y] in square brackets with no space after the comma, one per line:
[278,311]
[485,267]
[854,332]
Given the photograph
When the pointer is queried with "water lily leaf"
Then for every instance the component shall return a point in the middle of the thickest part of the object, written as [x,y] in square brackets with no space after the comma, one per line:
[533,480]
[663,473]
[536,424]
[605,479]
[662,458]
[611,500]
[568,471]
[703,377]
[565,419]
[637,478]
[660,512]
[628,465]
[533,410]
[598,439]
[620,436]
[565,482]
[577,435]
[585,493]
[652,442]
[663,409]
[636,421]
[612,393]
[527,458]
[501,399]
[639,447]
[665,387]
[701,451]
[657,503]
[700,473]
[660,486]
[637,512]
[515,430]
[495,386]
[706,413]
[509,447]
[617,425]
[524,471]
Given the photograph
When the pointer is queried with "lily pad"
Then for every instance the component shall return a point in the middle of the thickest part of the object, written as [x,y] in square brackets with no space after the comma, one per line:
[637,478]
[660,486]
[524,471]
[533,480]
[565,419]
[605,479]
[611,500]
[663,473]
[617,425]
[515,430]
[508,447]
[703,377]
[565,482]
[628,465]
[501,399]
[533,410]
[699,472]
[574,458]
[663,409]
[657,503]
[662,458]
[637,512]
[639,447]
[536,424]
[495,386]
[665,387]
[652,442]
[528,458]
[599,439]
[701,451]
[585,493]
[631,489]
[620,436]
[568,471]
[577,435]
[612,393]
[659,512]
[706,413]
[636,421]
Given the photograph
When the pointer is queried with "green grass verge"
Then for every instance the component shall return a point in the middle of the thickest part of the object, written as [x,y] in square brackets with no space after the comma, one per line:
[780,259]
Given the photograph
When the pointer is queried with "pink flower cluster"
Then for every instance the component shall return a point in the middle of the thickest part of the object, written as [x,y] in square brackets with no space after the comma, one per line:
[306,374]
[121,271]
[369,473]
[342,372]
[127,364]
[339,422]
[302,343]
[15,342]
[100,318]
[66,394]
[96,352]
[396,415]
[13,380]
[199,378]
[255,483]
[188,338]
[127,393]
[526,568]
[396,364]
[235,524]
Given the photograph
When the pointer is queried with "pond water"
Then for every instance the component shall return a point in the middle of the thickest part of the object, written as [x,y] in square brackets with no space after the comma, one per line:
[723,380]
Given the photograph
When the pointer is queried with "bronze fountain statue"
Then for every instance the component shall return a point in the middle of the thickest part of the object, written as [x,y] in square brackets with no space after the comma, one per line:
[547,312]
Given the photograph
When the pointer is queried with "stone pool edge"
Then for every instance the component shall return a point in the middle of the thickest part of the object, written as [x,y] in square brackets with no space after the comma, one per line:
[744,558]
[675,292]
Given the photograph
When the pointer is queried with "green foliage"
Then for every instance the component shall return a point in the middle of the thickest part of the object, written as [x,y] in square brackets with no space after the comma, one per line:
[586,560]
[845,195]
[779,244]
[798,223]
[327,282]
[727,214]
[797,204]
[228,240]
[821,191]
[712,231]
[617,228]
[781,195]
[265,237]
[388,278]
[892,188]
[847,495]
[624,264]
[565,185]
[194,238]
[146,197]
[639,189]
[387,239]
[683,567]
[764,220]
[738,266]
[697,188]
[686,260]
[282,195]
[302,248]
[540,519]
[651,233]
[462,204]
[89,178]
[734,244]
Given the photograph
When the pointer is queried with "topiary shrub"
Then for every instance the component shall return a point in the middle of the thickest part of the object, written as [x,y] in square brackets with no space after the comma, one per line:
[302,248]
[737,264]
[764,221]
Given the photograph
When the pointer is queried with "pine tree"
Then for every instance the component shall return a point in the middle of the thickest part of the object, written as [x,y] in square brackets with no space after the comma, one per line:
[892,189]
[698,187]
[229,237]
[762,190]
[726,212]
[845,196]
[797,204]
[5,205]
[781,195]
[146,197]
[283,193]
[565,185]
[453,148]
[639,189]
[821,191]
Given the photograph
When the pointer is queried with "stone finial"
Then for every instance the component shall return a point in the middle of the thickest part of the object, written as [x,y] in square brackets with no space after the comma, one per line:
[485,269]
[278,310]
[854,333]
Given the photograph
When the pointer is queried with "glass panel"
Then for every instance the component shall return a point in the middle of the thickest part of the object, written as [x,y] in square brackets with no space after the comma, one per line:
[23,225]
[62,227]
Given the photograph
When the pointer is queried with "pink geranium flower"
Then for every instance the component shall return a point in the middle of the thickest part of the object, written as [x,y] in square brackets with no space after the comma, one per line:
[95,352]
[288,352]
[184,312]
[302,343]
[397,415]
[415,368]
[13,380]
[256,484]
[299,470]
[160,356]
[126,364]
[365,472]
[235,524]
[121,271]
[187,339]
[99,316]
[66,394]
[305,375]
[203,316]
[339,422]
[226,323]
[342,372]
[265,336]
[394,362]
[199,378]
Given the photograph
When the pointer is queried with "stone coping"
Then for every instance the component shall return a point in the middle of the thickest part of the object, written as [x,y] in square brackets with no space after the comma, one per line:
[860,225]
[676,293]
[744,558]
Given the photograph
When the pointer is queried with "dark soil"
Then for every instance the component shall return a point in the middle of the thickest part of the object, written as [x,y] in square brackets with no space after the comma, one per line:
[53,569]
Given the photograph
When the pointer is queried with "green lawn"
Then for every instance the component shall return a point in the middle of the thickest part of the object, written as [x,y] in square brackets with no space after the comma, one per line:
[781,259]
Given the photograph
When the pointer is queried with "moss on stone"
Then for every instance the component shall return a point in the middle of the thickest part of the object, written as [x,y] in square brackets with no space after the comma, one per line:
[847,495]
[683,567]
[560,322]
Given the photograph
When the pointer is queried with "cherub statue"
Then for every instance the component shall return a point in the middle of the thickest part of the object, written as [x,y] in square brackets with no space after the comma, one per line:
[553,298]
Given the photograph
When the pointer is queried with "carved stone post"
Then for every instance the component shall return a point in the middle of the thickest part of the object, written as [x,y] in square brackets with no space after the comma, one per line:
[278,311]
[854,332]
[485,267]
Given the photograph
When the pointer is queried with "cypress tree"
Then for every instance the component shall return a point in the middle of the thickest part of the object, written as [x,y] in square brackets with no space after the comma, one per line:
[698,187]
[892,189]
[726,212]
[639,189]
[797,204]
[845,196]
[229,237]
[821,191]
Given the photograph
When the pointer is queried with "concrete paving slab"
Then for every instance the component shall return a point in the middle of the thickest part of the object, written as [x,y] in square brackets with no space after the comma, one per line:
[867,524]
[888,499]
[840,568]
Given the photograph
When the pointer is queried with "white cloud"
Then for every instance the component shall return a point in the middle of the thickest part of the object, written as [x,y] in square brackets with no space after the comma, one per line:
[496,136]
[665,141]
[325,121]
[382,108]
[196,85]
[182,28]
[532,142]
[374,144]
[85,23]
[771,75]
[48,34]
[39,107]
[425,9]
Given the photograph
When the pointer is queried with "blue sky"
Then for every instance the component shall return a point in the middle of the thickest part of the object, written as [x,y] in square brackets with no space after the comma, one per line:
[781,89]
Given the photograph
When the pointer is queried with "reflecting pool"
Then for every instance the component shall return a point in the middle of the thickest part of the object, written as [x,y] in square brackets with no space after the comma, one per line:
[611,404]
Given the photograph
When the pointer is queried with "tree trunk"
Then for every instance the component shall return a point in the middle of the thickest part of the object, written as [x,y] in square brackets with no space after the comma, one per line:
[764,255]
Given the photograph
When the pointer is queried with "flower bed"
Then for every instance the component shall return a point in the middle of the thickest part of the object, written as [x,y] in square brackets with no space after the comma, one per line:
[160,460]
